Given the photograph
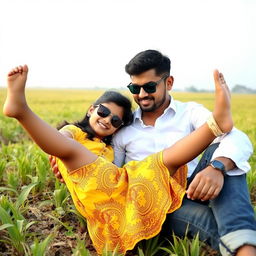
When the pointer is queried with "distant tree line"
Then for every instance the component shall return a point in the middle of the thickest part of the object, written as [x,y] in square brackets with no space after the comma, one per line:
[236,89]
[242,89]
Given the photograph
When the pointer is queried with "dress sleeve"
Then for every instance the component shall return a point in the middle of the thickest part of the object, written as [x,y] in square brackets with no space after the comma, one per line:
[74,131]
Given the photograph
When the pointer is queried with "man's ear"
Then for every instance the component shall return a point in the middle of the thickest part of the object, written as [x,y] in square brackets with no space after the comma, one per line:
[169,82]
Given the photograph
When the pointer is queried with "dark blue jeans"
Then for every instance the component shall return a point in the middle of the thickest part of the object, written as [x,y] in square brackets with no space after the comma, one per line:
[225,223]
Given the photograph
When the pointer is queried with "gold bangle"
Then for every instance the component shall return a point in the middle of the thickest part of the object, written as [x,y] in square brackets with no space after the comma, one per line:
[213,126]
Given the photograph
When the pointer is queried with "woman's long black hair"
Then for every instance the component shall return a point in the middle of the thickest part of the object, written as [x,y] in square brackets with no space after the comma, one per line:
[106,97]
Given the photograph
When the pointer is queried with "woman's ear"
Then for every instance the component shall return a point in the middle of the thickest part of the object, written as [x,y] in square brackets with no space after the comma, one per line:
[90,110]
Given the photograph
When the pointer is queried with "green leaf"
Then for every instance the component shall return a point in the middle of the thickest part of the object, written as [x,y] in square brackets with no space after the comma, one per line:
[6,226]
[141,253]
[24,194]
[30,224]
[9,189]
[20,225]
[13,230]
[39,249]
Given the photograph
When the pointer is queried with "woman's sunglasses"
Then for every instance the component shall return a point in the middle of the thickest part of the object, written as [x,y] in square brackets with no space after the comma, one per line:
[149,87]
[103,111]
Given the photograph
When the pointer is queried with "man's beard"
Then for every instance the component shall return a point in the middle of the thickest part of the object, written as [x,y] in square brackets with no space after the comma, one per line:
[153,107]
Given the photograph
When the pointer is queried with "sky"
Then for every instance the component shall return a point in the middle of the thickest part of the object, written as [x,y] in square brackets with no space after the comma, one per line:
[86,43]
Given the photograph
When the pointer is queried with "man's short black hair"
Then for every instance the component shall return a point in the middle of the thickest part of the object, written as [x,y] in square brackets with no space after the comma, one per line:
[146,60]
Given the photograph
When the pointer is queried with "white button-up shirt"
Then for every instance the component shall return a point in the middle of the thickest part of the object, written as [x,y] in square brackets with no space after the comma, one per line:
[137,141]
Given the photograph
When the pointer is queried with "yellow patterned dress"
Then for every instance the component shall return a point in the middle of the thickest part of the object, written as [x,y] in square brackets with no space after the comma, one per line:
[122,205]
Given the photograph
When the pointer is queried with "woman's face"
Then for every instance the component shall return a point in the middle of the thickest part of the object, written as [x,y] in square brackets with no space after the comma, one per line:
[103,126]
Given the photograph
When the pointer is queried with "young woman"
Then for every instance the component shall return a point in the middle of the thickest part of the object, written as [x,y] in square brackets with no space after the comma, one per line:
[122,205]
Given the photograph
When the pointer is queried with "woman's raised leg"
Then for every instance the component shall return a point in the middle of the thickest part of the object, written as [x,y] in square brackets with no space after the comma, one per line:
[197,141]
[73,154]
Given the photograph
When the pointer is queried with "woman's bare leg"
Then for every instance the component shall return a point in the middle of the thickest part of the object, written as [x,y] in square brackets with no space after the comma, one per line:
[222,109]
[73,154]
[197,141]
[15,103]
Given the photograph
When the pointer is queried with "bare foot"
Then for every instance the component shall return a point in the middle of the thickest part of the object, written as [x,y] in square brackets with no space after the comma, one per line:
[15,102]
[222,112]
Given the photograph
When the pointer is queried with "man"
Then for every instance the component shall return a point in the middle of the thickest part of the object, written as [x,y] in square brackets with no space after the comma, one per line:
[217,204]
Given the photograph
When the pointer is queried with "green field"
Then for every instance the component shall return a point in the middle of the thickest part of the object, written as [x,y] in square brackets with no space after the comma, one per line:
[36,214]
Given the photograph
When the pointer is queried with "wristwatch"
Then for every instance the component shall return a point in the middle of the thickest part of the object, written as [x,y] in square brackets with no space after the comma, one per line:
[218,165]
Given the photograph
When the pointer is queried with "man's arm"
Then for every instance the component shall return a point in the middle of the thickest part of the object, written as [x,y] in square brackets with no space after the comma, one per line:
[237,147]
[234,151]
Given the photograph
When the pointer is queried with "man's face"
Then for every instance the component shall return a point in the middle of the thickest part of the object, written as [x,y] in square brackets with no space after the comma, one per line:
[150,102]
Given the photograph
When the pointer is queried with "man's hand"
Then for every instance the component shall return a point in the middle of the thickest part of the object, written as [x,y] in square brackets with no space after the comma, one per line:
[55,169]
[206,185]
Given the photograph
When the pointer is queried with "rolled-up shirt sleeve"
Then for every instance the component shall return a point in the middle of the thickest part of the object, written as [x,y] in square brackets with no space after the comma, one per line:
[236,146]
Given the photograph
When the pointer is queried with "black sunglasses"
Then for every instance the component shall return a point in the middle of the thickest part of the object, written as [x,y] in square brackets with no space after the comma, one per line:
[103,111]
[149,87]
